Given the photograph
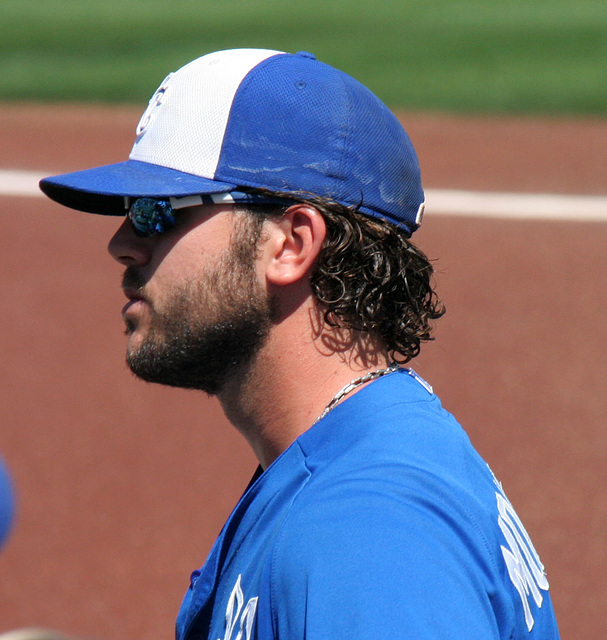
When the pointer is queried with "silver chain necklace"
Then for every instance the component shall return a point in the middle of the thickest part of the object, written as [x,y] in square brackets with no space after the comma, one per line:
[344,391]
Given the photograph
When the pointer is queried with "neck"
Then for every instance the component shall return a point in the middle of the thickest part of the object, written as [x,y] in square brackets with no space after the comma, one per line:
[289,384]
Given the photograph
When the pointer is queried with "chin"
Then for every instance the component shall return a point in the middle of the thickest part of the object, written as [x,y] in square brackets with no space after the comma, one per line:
[135,341]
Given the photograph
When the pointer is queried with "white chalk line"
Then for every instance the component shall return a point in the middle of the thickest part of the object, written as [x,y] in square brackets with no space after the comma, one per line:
[546,206]
[542,206]
[20,183]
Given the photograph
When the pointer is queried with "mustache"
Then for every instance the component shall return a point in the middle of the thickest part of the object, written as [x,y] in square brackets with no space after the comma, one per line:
[133,279]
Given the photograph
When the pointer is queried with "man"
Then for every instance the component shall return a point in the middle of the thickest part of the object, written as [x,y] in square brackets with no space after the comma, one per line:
[269,201]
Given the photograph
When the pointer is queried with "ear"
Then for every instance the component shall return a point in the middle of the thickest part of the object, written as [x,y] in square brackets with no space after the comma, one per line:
[294,243]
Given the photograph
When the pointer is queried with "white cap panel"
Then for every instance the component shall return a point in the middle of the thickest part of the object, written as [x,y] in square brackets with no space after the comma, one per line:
[171,132]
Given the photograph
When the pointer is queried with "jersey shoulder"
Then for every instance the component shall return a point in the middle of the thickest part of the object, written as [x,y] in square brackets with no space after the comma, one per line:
[399,515]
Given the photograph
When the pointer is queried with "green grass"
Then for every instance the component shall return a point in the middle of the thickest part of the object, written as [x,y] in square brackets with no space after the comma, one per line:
[497,56]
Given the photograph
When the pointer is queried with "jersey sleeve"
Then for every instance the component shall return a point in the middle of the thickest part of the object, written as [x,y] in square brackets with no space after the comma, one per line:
[364,564]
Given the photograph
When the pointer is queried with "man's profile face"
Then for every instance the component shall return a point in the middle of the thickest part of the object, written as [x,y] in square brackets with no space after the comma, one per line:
[197,311]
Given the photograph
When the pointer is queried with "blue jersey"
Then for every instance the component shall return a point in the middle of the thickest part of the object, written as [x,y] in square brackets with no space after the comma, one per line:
[380,521]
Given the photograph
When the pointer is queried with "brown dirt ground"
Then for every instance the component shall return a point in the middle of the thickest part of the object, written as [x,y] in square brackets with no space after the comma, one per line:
[122,486]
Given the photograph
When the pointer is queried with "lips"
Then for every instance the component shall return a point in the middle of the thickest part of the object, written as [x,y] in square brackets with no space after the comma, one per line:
[133,283]
[133,302]
[133,294]
[135,298]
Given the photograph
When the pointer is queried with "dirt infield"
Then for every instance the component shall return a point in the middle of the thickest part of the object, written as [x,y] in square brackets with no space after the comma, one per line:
[123,486]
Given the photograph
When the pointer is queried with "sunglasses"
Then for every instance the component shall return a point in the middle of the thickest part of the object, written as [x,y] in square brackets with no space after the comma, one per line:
[152,216]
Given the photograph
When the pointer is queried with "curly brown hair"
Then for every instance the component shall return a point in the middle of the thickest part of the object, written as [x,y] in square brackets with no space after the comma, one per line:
[370,277]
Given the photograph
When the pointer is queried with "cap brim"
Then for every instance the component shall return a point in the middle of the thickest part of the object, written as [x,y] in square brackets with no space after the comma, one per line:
[103,189]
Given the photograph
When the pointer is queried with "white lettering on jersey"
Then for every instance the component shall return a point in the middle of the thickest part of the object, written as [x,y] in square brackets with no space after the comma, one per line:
[523,563]
[234,617]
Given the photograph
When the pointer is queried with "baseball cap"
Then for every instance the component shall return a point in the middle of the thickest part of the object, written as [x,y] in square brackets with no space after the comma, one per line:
[259,119]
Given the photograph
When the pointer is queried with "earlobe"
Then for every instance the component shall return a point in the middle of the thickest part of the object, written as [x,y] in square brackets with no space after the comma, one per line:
[296,240]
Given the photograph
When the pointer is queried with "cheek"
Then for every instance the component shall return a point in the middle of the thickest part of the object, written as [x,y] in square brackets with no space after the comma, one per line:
[185,283]
[182,262]
[197,249]
[186,260]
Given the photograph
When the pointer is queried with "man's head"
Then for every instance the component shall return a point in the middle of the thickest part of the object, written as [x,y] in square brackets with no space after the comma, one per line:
[231,145]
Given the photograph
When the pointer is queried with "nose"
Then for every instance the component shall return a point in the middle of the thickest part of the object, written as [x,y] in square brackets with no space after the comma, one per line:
[127,248]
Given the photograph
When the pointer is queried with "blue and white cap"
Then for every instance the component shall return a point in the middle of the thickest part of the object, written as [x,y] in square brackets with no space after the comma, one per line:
[255,118]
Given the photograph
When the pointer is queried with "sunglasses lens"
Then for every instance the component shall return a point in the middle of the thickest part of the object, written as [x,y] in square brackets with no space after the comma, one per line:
[150,216]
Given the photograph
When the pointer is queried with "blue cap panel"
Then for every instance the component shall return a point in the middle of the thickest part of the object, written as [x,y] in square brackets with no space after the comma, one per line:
[301,125]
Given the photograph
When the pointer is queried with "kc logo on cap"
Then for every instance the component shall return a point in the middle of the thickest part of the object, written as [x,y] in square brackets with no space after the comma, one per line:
[154,103]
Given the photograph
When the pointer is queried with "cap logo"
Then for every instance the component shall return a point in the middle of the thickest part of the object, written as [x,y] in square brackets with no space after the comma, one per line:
[154,103]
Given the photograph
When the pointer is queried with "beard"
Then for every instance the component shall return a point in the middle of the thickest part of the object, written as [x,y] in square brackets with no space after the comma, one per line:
[211,329]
